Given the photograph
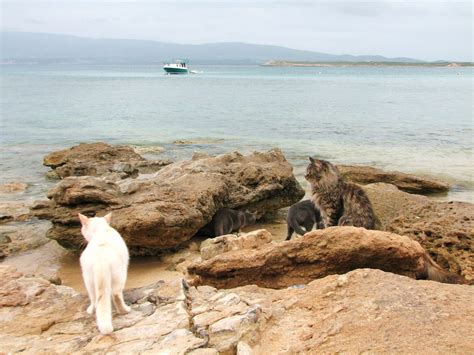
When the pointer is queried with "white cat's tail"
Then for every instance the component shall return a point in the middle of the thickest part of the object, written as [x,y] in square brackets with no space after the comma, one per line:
[103,291]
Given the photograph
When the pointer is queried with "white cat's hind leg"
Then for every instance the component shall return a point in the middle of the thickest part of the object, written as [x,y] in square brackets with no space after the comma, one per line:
[89,282]
[120,304]
[118,285]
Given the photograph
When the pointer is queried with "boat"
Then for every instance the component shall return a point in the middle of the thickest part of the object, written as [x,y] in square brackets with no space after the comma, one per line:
[177,67]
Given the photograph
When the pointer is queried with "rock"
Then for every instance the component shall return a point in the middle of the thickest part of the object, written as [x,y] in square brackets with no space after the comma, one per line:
[13,188]
[389,202]
[406,182]
[162,210]
[97,159]
[147,149]
[252,240]
[57,321]
[364,311]
[244,349]
[16,237]
[335,250]
[14,211]
[444,229]
[40,260]
[393,313]
[204,141]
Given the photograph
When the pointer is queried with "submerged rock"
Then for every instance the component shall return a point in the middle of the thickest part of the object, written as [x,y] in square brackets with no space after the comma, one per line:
[13,188]
[335,250]
[162,210]
[393,313]
[406,182]
[98,159]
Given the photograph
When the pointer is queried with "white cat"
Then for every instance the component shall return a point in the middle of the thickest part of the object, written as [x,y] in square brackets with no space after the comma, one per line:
[104,265]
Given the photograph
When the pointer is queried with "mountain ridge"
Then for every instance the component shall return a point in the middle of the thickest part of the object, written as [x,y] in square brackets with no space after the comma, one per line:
[28,46]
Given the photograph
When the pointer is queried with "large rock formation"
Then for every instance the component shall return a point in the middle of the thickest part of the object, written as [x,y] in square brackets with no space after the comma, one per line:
[161,210]
[335,250]
[364,311]
[97,159]
[445,229]
[406,182]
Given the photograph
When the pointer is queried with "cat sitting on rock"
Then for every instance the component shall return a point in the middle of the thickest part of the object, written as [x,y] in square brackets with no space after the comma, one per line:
[341,203]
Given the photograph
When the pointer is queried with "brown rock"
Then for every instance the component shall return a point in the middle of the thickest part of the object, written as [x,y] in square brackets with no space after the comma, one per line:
[394,315]
[97,159]
[252,240]
[14,211]
[406,182]
[335,250]
[364,311]
[162,210]
[16,237]
[444,229]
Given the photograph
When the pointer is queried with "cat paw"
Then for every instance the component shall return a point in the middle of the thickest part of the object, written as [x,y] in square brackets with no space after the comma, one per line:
[126,309]
[90,309]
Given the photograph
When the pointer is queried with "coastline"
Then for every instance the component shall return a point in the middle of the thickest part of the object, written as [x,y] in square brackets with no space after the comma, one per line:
[181,288]
[447,64]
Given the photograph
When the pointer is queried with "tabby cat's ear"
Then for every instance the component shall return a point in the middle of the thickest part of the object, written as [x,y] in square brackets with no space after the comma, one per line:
[83,219]
[311,160]
[108,217]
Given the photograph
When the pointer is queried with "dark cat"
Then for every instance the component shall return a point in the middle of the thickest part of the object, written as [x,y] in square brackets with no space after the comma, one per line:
[226,221]
[303,213]
[340,203]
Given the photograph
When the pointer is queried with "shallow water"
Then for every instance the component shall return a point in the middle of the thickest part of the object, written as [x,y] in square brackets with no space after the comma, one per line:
[141,272]
[146,270]
[411,119]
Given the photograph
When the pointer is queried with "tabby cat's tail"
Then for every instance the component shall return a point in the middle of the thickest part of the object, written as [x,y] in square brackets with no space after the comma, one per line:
[103,293]
[432,271]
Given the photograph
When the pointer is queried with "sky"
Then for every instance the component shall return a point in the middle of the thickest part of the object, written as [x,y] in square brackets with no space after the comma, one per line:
[422,29]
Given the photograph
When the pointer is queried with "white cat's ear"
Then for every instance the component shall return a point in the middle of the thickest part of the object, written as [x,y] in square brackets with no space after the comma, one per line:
[108,217]
[83,219]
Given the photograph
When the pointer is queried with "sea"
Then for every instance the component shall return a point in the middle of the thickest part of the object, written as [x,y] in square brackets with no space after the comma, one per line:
[411,119]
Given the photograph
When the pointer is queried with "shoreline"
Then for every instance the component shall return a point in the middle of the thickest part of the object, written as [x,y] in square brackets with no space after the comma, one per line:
[284,63]
[68,266]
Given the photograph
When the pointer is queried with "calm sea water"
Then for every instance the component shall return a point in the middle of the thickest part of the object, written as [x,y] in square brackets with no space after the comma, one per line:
[416,120]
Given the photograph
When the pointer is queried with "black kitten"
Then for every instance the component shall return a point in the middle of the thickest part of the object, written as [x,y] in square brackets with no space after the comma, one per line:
[303,214]
[226,221]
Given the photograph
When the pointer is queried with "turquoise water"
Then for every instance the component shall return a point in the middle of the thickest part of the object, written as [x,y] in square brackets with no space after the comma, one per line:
[403,118]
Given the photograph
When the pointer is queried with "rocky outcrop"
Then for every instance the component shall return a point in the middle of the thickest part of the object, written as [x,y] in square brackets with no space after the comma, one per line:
[406,182]
[393,313]
[365,311]
[444,229]
[164,317]
[162,210]
[216,246]
[98,159]
[335,250]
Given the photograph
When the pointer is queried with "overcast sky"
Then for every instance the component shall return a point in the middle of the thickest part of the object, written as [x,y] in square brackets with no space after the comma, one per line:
[429,29]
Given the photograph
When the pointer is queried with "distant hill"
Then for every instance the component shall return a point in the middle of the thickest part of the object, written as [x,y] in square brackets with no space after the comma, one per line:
[44,47]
